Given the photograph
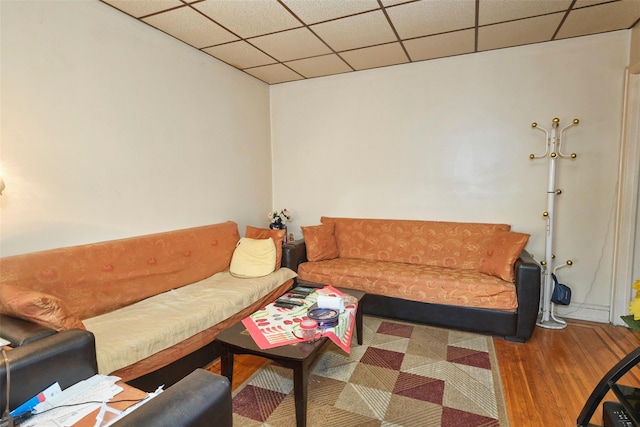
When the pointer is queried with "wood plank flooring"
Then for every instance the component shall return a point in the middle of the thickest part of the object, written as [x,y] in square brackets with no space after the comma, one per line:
[547,380]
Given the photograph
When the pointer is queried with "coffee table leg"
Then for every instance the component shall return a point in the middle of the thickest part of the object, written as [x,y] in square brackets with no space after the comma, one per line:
[300,383]
[226,362]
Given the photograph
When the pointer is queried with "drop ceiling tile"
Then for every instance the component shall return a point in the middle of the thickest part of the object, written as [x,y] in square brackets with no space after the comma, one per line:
[293,44]
[394,2]
[272,74]
[312,12]
[357,31]
[432,17]
[376,56]
[520,32]
[493,11]
[320,66]
[249,18]
[240,54]
[140,8]
[601,18]
[585,3]
[191,27]
[441,45]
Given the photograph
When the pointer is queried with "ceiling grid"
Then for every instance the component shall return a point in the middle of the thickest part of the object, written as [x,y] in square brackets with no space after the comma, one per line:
[278,41]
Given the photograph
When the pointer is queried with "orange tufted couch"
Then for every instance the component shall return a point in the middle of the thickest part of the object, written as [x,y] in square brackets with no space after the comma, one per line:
[470,276]
[87,282]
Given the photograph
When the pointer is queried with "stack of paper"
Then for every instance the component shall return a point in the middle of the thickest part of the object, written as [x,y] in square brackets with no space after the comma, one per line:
[74,403]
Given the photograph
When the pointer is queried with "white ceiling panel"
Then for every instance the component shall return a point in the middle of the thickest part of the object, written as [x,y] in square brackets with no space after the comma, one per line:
[249,18]
[313,12]
[424,18]
[188,25]
[376,56]
[363,30]
[240,54]
[441,45]
[319,66]
[494,11]
[520,32]
[272,74]
[140,8]
[292,44]
[601,18]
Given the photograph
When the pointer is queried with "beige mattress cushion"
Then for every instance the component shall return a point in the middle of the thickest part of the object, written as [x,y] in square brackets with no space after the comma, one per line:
[132,333]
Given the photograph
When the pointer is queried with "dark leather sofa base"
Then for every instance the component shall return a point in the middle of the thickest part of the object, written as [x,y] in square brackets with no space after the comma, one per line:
[188,403]
[446,316]
[178,369]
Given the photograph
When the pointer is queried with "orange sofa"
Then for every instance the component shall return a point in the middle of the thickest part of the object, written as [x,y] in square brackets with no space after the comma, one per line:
[470,276]
[101,287]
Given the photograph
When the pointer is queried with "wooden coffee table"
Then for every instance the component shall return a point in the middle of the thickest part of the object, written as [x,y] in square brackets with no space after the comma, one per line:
[299,356]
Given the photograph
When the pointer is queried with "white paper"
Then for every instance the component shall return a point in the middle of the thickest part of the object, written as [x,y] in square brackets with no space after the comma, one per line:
[335,303]
[107,423]
[93,391]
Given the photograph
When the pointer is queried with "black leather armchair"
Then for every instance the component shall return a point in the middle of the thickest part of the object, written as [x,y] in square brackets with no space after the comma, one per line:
[201,399]
[21,332]
[41,357]
[66,357]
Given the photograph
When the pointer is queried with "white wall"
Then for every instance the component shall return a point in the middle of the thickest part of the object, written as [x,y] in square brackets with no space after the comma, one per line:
[634,65]
[450,139]
[112,129]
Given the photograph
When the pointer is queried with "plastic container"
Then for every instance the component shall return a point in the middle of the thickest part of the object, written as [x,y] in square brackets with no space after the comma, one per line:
[308,329]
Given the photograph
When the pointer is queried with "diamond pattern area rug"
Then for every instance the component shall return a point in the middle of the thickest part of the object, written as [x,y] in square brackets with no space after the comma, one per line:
[403,375]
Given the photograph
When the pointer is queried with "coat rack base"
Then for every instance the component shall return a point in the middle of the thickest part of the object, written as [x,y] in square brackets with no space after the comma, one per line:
[552,323]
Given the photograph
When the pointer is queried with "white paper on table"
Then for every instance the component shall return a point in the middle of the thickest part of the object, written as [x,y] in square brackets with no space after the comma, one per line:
[94,391]
[107,422]
[326,301]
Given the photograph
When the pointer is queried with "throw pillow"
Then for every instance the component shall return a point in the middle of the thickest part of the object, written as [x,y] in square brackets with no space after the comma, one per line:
[253,258]
[503,251]
[266,233]
[320,241]
[37,307]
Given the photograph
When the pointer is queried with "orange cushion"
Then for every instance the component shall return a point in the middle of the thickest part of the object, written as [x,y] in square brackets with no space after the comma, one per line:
[503,251]
[437,243]
[98,278]
[265,233]
[320,241]
[37,307]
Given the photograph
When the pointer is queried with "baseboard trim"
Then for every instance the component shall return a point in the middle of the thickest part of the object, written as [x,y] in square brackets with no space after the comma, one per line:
[590,312]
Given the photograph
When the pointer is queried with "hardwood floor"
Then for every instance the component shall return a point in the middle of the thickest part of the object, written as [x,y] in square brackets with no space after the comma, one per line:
[547,380]
[243,367]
